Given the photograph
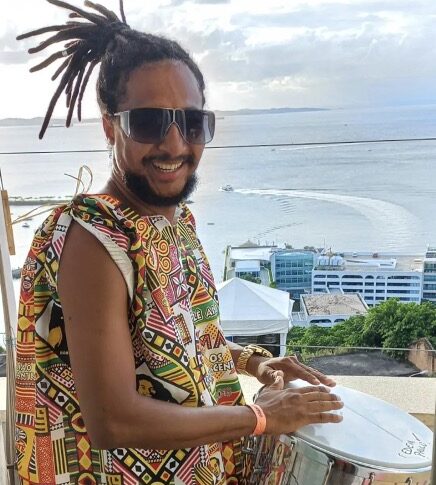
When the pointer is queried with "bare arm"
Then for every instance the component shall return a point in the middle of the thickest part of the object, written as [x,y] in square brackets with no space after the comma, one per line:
[94,301]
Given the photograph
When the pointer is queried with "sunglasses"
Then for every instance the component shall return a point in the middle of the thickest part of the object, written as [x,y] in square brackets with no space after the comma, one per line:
[151,125]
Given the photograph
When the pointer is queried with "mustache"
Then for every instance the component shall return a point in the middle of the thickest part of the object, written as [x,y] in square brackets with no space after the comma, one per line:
[167,158]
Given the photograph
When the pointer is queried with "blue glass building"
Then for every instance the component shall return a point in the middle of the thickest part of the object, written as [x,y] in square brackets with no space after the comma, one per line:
[292,271]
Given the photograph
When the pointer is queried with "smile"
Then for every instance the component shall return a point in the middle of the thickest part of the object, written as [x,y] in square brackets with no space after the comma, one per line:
[164,167]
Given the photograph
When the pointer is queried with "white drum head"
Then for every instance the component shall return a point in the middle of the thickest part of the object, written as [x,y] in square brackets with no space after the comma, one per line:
[373,432]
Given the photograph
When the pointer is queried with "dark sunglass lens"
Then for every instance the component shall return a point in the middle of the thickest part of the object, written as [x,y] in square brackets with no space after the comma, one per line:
[210,126]
[148,125]
[200,126]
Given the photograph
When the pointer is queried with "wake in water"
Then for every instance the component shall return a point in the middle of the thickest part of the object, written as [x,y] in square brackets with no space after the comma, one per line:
[393,224]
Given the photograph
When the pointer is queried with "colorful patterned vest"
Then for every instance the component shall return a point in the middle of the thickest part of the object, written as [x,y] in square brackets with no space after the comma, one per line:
[180,352]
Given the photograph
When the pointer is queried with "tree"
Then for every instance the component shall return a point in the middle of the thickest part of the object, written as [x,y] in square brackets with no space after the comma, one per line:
[413,322]
[391,324]
[251,278]
[349,333]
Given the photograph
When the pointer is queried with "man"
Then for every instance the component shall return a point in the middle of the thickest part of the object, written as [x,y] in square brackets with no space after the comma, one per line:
[117,286]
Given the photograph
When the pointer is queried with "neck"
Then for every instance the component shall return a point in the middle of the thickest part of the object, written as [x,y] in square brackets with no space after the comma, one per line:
[117,189]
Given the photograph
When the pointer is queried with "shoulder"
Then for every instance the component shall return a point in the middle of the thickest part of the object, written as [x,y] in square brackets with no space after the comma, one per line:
[104,217]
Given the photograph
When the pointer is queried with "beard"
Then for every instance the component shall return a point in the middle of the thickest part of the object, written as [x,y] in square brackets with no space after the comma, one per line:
[140,187]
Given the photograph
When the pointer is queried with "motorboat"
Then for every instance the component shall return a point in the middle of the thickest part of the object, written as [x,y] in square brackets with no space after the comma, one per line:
[226,188]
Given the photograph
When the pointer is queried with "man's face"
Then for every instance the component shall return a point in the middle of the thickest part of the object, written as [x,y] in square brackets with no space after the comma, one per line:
[145,388]
[159,174]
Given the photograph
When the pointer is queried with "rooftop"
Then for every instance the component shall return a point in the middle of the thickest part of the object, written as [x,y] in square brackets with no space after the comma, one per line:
[373,363]
[365,261]
[261,253]
[248,265]
[334,304]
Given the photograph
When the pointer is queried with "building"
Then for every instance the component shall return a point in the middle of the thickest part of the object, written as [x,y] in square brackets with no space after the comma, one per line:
[250,260]
[376,276]
[292,270]
[429,276]
[247,267]
[328,309]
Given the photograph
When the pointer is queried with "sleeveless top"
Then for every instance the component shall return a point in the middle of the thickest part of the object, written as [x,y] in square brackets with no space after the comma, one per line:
[180,352]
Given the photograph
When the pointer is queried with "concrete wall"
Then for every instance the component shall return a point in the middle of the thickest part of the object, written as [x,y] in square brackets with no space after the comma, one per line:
[423,355]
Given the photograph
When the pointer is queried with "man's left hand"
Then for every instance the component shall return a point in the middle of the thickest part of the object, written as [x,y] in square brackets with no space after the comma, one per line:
[290,369]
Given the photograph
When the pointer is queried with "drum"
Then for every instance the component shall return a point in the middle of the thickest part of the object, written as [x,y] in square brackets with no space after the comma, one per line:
[376,443]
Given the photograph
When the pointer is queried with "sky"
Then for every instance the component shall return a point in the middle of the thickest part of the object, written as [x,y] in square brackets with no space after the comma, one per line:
[254,53]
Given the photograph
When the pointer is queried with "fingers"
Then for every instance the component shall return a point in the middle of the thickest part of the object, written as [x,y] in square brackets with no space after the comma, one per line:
[319,407]
[319,376]
[289,409]
[320,396]
[320,417]
[310,389]
[295,369]
[278,383]
[271,376]
[324,406]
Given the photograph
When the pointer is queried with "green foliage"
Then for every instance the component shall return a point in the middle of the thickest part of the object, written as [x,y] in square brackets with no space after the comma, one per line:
[251,278]
[389,325]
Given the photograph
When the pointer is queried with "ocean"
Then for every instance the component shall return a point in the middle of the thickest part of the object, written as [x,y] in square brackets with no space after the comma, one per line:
[361,196]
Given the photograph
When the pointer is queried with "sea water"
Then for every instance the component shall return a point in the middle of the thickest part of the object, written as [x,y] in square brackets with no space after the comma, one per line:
[365,196]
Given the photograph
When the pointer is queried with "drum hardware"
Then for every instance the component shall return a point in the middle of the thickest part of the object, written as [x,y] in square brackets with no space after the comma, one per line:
[329,470]
[250,445]
[263,455]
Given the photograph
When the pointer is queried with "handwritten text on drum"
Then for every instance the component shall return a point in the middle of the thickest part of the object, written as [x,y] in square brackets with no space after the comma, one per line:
[415,447]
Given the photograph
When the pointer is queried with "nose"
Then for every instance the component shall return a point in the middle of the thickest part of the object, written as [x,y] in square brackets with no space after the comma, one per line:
[174,143]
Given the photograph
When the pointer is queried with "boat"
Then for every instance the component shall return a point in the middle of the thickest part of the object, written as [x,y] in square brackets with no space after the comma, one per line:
[226,188]
[26,224]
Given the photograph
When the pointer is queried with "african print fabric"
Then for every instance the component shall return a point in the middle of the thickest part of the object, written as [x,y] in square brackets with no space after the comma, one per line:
[179,349]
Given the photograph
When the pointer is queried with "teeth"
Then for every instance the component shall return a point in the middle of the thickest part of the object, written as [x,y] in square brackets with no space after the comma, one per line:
[166,167]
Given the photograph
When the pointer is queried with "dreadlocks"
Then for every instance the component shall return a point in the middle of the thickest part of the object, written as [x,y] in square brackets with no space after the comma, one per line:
[100,36]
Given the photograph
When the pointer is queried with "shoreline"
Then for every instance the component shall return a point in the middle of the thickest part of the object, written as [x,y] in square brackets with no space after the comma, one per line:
[39,201]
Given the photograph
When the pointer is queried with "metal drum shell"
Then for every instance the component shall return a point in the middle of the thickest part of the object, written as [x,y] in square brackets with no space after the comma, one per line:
[307,464]
[340,471]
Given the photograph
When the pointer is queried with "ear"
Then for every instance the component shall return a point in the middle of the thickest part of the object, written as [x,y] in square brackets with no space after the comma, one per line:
[108,127]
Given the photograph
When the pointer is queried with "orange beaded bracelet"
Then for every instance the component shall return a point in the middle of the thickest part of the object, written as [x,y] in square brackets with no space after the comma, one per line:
[260,419]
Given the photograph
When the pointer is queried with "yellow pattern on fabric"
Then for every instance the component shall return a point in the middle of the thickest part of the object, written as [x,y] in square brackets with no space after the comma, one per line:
[180,352]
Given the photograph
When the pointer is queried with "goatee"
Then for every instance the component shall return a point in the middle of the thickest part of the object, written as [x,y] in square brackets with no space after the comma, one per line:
[140,187]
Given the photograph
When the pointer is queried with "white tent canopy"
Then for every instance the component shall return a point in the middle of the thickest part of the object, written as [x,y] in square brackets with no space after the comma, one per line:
[250,309]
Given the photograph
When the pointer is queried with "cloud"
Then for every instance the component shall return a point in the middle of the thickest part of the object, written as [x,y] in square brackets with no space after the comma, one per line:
[328,51]
[203,2]
[11,50]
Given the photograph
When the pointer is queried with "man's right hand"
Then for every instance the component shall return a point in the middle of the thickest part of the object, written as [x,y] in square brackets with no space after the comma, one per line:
[287,410]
